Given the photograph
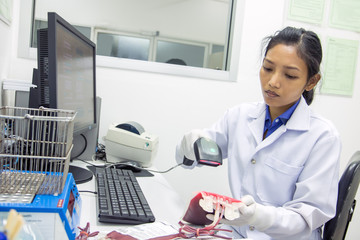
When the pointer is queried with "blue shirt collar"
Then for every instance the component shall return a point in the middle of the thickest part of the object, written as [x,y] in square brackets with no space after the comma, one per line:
[283,117]
[270,127]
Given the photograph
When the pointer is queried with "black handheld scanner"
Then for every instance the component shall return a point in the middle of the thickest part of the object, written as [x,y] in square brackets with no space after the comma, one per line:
[207,152]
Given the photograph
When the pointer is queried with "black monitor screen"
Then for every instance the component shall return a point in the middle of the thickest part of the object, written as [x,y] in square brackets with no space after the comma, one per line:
[75,77]
[66,72]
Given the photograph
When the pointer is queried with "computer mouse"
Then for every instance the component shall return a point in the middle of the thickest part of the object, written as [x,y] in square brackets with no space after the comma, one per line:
[207,152]
[129,165]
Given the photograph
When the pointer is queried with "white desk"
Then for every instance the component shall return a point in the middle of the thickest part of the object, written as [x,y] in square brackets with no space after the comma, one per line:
[165,203]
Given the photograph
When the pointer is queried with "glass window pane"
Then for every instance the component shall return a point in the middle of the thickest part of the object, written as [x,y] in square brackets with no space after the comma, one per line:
[217,48]
[180,53]
[216,58]
[39,24]
[84,30]
[122,46]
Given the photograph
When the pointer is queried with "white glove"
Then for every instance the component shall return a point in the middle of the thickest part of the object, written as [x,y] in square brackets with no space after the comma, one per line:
[186,147]
[251,213]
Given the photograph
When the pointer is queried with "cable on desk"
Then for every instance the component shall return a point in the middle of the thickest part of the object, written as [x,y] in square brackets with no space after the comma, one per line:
[165,171]
[94,165]
[87,191]
[141,168]
[83,148]
[146,169]
[100,152]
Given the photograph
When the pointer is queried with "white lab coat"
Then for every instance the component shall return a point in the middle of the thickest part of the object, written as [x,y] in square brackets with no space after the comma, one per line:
[296,168]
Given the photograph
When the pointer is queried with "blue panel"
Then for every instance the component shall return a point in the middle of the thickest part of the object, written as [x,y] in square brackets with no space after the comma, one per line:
[55,204]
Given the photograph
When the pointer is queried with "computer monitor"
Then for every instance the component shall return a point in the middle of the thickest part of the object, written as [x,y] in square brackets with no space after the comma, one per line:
[66,78]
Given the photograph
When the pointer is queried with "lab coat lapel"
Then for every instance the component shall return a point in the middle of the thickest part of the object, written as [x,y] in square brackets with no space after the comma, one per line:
[256,122]
[299,121]
[256,125]
[272,138]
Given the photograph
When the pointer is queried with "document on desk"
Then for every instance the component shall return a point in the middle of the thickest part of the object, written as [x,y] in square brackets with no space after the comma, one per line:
[150,230]
[145,231]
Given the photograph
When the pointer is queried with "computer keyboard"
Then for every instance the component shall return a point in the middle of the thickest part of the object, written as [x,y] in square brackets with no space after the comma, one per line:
[120,198]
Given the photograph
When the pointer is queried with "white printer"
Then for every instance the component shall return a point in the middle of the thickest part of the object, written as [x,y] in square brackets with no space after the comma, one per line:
[129,142]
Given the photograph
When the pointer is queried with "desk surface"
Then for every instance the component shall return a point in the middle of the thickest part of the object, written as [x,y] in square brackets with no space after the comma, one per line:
[165,203]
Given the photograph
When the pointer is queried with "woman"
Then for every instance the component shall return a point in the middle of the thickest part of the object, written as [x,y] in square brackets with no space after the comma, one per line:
[283,158]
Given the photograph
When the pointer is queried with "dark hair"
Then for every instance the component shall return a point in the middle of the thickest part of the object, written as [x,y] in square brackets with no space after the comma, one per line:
[308,48]
[177,61]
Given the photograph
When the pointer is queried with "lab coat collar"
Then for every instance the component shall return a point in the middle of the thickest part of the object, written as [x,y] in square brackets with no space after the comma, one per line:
[299,121]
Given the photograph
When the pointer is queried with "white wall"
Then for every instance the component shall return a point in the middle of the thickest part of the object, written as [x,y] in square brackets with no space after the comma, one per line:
[169,106]
[4,48]
[5,38]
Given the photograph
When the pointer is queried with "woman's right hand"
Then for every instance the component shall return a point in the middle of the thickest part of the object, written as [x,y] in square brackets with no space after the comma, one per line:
[186,147]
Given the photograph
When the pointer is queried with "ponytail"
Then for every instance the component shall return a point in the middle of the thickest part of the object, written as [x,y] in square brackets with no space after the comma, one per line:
[308,96]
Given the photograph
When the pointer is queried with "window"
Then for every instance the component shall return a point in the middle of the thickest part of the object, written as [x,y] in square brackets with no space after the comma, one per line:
[122,46]
[192,33]
[164,50]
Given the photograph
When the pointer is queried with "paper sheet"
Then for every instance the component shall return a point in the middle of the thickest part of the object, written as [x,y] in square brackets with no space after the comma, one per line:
[345,14]
[150,230]
[144,231]
[340,66]
[311,11]
[5,11]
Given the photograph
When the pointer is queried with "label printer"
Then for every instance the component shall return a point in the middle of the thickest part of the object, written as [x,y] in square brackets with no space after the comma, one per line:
[129,142]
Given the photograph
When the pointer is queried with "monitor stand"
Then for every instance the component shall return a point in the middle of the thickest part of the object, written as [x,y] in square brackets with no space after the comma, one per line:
[81,175]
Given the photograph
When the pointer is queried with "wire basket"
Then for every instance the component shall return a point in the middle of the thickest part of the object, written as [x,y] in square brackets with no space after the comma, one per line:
[35,149]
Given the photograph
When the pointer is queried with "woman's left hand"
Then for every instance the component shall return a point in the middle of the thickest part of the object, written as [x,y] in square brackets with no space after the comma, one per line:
[251,213]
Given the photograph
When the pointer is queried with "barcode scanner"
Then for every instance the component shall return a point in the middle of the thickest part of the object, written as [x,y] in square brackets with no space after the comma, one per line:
[207,152]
